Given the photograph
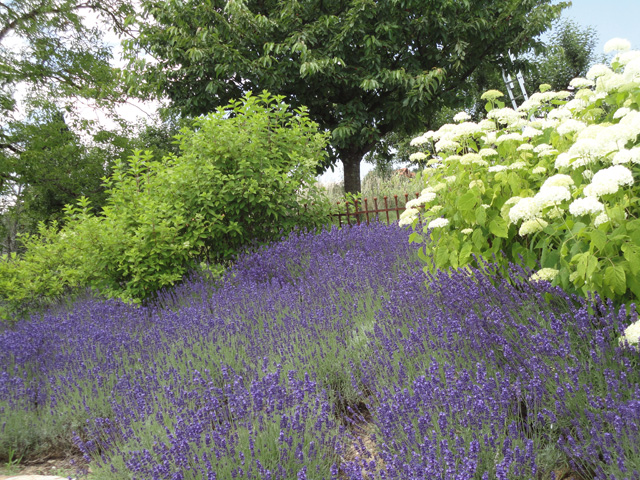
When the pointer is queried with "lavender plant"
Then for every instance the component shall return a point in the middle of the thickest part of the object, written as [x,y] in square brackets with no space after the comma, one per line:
[325,356]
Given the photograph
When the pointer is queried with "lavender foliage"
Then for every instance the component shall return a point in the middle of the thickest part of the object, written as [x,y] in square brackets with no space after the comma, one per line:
[327,356]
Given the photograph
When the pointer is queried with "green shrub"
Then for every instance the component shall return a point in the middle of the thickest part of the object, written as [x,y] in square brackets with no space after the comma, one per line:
[553,184]
[242,176]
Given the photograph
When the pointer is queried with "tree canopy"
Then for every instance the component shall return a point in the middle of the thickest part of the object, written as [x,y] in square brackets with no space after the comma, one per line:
[53,58]
[364,68]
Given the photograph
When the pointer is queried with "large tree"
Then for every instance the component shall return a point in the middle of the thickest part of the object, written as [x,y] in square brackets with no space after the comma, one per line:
[363,67]
[53,59]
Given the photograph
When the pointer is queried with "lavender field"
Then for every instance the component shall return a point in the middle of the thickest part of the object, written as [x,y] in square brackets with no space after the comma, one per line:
[330,356]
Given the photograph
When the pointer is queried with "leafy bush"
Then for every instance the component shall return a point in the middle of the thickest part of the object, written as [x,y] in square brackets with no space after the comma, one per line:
[553,184]
[242,176]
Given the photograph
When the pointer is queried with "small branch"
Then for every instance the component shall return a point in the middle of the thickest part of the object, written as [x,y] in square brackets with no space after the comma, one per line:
[8,146]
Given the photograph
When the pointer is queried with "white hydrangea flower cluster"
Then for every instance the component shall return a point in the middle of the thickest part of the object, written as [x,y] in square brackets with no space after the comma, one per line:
[506,116]
[438,223]
[579,82]
[525,147]
[544,274]
[601,219]
[425,197]
[608,181]
[552,195]
[446,145]
[469,158]
[631,335]
[585,206]
[517,166]
[515,137]
[532,226]
[570,126]
[408,216]
[487,152]
[530,208]
[617,44]
[530,132]
[461,117]
[417,157]
[627,156]
[559,180]
[422,139]
[540,99]
[543,147]
[525,209]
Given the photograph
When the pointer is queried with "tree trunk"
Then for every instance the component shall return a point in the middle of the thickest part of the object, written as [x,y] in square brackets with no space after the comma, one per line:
[351,161]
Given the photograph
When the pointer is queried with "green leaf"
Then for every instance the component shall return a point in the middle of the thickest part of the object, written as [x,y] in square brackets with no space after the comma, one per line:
[467,202]
[481,216]
[465,252]
[632,256]
[478,239]
[616,279]
[598,239]
[442,257]
[499,227]
[415,237]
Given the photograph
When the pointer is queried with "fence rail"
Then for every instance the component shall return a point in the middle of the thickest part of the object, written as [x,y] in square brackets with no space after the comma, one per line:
[361,211]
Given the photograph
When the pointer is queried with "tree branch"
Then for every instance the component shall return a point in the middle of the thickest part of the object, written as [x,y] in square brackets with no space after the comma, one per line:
[34,13]
[8,146]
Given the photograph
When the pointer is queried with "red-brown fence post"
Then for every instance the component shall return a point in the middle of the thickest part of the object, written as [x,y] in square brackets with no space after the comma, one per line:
[366,210]
[386,207]
[375,206]
[397,209]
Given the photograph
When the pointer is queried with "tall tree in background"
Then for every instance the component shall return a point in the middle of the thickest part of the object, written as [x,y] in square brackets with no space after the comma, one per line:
[53,57]
[570,51]
[364,68]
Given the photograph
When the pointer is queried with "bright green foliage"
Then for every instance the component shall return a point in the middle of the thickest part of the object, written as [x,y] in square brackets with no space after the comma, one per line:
[243,175]
[364,68]
[558,191]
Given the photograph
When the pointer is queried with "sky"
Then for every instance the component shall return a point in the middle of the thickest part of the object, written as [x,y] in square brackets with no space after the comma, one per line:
[610,18]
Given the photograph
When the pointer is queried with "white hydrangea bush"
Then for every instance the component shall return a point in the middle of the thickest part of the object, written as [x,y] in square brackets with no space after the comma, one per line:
[553,184]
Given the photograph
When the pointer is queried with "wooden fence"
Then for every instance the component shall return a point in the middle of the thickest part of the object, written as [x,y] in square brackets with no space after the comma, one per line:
[361,211]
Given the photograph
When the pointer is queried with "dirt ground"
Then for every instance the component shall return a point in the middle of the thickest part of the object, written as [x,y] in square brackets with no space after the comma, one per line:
[62,467]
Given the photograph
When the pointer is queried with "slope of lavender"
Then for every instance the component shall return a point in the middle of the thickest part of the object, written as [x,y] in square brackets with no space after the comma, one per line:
[326,356]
